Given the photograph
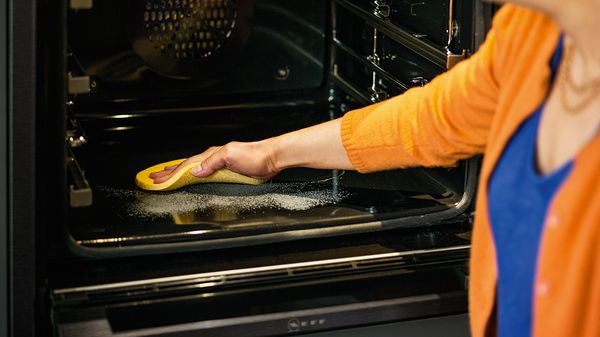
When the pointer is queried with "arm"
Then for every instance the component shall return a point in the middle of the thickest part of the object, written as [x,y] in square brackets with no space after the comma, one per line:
[318,146]
[436,125]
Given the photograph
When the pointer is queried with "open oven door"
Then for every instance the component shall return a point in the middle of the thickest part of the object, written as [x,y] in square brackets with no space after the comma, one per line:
[420,278]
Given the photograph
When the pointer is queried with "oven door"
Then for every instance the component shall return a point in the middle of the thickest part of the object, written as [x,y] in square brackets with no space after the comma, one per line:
[275,291]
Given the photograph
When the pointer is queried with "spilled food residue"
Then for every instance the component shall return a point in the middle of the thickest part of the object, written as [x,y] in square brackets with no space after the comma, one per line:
[233,198]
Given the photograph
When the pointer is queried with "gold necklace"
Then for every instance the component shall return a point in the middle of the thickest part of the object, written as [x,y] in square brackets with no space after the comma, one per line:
[588,91]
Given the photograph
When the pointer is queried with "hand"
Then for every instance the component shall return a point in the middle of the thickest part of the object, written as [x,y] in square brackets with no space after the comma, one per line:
[252,159]
[319,146]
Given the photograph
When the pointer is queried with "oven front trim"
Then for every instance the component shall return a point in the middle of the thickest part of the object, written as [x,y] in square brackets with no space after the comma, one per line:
[219,277]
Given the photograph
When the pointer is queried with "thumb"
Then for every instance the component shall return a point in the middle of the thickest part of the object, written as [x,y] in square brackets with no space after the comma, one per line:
[208,166]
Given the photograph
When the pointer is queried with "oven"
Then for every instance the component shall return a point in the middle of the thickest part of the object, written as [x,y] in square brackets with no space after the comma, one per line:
[117,86]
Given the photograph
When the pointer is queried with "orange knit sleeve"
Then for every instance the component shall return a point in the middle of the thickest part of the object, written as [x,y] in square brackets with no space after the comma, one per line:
[436,125]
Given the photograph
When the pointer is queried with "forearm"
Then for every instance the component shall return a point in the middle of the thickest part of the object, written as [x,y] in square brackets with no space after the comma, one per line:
[318,146]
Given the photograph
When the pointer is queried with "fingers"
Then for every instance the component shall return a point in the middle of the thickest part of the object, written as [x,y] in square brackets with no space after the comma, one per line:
[169,171]
[162,176]
[243,158]
[210,164]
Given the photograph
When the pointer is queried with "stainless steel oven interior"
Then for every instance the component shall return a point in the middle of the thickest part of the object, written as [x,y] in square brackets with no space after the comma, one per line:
[138,82]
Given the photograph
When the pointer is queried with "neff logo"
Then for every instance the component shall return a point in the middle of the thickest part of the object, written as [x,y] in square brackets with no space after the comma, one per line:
[293,325]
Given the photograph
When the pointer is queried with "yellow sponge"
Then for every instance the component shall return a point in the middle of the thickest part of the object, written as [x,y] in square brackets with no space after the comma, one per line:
[184,178]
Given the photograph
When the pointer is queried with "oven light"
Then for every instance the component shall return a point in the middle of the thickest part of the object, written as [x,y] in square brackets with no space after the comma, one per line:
[122,116]
[198,232]
[121,128]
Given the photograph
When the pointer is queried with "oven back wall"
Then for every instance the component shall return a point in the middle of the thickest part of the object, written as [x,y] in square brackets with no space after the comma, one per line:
[148,49]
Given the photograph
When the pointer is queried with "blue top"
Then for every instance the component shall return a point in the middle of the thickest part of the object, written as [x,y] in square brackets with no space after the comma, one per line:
[518,202]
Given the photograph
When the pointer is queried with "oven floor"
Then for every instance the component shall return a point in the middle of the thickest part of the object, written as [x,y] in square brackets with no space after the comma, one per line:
[123,215]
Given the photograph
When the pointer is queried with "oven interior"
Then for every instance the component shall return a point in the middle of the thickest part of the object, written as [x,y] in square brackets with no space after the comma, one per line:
[149,81]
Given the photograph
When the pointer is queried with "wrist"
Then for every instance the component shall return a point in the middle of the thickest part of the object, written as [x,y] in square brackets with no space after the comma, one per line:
[270,147]
[277,150]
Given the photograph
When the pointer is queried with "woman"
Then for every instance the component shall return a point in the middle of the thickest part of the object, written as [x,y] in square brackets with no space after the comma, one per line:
[528,99]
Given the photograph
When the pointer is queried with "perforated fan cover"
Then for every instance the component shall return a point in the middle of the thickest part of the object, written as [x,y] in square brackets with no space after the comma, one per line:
[189,29]
[197,39]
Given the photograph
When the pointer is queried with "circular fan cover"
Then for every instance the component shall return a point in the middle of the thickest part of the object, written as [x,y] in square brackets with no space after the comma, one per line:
[189,29]
[190,38]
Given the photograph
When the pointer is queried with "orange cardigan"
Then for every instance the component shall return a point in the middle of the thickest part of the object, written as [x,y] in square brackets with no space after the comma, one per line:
[475,108]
